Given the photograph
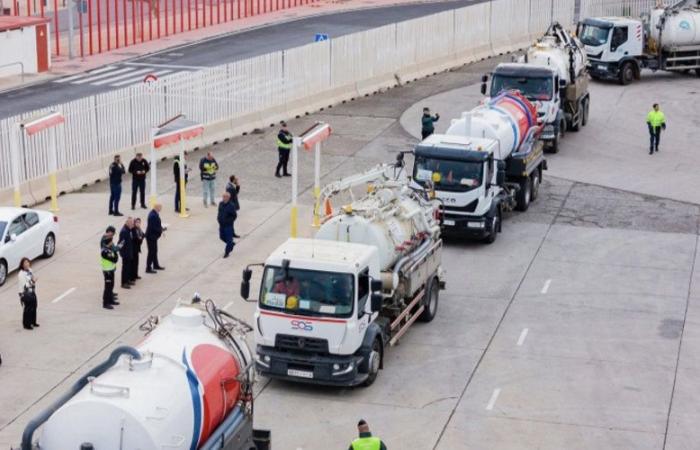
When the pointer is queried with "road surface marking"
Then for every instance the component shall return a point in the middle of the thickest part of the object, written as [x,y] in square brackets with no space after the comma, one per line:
[64,295]
[494,397]
[91,78]
[228,305]
[120,77]
[140,78]
[165,66]
[545,288]
[522,337]
[80,75]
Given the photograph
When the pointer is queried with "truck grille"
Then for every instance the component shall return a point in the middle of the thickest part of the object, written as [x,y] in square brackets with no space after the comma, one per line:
[468,208]
[301,344]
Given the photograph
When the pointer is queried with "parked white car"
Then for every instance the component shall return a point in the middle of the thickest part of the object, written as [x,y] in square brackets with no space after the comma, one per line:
[25,233]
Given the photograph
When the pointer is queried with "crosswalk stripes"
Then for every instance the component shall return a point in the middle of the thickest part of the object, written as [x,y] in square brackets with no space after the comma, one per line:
[118,75]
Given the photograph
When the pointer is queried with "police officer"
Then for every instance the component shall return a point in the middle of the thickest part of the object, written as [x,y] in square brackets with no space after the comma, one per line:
[284,146]
[207,172]
[108,262]
[427,123]
[656,121]
[138,168]
[366,441]
[116,171]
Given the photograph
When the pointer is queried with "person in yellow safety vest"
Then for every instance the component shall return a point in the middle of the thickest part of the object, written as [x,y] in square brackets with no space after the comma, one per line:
[207,171]
[109,257]
[366,441]
[284,146]
[656,121]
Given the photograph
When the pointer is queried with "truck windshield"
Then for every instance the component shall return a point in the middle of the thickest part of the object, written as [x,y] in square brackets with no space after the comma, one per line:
[532,88]
[593,35]
[308,292]
[448,175]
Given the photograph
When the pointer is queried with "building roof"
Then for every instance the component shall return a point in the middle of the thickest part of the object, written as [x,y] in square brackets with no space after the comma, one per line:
[8,23]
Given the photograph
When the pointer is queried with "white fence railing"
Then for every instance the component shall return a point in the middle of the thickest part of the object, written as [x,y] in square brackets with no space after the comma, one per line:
[100,125]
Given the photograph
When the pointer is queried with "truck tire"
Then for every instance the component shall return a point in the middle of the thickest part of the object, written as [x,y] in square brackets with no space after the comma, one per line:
[556,143]
[524,195]
[535,188]
[431,301]
[626,74]
[584,114]
[375,362]
[495,228]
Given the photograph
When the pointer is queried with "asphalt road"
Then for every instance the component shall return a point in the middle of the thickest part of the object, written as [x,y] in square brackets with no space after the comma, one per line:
[217,51]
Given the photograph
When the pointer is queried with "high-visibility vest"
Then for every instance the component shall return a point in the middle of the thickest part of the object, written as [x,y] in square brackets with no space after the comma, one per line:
[209,167]
[107,265]
[281,144]
[367,443]
[656,118]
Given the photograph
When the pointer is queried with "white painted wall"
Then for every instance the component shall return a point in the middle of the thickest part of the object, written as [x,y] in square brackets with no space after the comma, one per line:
[19,46]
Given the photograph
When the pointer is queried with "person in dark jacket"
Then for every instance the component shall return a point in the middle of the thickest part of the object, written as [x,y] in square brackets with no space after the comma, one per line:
[126,251]
[116,171]
[176,176]
[138,168]
[154,230]
[233,187]
[109,257]
[284,147]
[137,235]
[427,123]
[226,217]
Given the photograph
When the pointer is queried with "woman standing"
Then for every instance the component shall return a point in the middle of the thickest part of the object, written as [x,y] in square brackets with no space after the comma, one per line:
[27,294]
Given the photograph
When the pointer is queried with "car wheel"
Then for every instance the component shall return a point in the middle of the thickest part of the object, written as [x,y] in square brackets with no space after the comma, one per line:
[375,362]
[3,271]
[626,74]
[431,303]
[49,245]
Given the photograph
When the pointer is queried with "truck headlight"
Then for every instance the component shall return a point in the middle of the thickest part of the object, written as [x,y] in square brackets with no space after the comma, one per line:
[336,366]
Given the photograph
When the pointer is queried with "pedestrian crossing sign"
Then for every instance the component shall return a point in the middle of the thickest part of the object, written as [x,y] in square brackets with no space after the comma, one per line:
[321,37]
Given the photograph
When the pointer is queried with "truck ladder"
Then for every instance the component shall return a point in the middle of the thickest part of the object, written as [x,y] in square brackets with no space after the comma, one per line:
[395,324]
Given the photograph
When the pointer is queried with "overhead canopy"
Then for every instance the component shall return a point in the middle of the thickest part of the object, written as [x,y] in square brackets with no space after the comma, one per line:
[318,133]
[36,124]
[176,130]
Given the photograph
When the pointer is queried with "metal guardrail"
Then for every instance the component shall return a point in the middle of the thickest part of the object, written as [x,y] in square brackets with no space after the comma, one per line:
[18,63]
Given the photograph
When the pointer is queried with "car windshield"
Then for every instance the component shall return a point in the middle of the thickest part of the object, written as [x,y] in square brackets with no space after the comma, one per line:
[307,292]
[448,175]
[3,225]
[532,88]
[593,35]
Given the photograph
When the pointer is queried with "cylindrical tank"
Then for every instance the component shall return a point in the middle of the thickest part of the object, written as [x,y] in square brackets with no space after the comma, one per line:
[391,218]
[184,386]
[548,52]
[681,27]
[506,118]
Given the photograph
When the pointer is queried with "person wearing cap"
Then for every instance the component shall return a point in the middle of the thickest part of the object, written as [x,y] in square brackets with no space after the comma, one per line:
[109,257]
[284,146]
[366,441]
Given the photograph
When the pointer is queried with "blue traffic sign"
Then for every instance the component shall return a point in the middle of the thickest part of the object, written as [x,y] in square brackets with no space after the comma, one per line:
[320,37]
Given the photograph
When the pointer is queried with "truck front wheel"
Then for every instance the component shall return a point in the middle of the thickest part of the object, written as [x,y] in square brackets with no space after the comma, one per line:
[495,228]
[524,195]
[626,73]
[430,304]
[374,363]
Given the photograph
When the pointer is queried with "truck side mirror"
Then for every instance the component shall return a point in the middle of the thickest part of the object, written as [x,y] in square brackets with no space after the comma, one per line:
[562,84]
[501,177]
[484,78]
[483,88]
[377,300]
[376,285]
[245,283]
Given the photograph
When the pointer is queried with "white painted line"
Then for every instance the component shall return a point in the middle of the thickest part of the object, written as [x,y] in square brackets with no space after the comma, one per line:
[90,79]
[119,77]
[87,74]
[64,295]
[523,335]
[165,66]
[545,288]
[139,79]
[228,305]
[494,397]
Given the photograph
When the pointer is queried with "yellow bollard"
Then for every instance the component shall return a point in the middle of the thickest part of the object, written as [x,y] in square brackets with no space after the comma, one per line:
[18,198]
[183,197]
[317,207]
[54,192]
[293,222]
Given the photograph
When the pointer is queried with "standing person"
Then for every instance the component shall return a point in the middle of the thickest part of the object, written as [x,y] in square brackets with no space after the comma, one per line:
[154,230]
[109,257]
[137,235]
[207,172]
[233,187]
[428,123]
[126,251]
[138,168]
[176,176]
[27,294]
[366,441]
[656,121]
[225,217]
[116,171]
[284,146]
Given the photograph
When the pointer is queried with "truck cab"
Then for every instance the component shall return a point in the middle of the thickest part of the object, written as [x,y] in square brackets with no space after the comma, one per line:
[613,46]
[466,176]
[314,321]
[540,85]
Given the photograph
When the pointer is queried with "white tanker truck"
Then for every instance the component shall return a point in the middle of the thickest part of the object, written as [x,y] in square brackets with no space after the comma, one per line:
[187,386]
[329,307]
[666,39]
[490,161]
[552,75]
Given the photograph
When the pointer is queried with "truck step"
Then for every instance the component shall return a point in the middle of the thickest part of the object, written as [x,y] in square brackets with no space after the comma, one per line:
[697,66]
[684,58]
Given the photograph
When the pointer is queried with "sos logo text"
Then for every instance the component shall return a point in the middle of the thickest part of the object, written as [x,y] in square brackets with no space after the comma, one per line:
[302,325]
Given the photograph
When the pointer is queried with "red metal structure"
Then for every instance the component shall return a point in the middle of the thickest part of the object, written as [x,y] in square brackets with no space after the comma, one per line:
[111,24]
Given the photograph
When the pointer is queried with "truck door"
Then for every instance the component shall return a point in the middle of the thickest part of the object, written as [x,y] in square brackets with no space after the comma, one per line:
[620,36]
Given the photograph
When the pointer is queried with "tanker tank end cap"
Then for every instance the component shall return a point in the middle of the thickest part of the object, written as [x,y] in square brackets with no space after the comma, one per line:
[347,209]
[187,317]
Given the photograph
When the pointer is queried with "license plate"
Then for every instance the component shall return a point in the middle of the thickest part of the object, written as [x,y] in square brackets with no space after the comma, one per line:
[300,373]
[449,223]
